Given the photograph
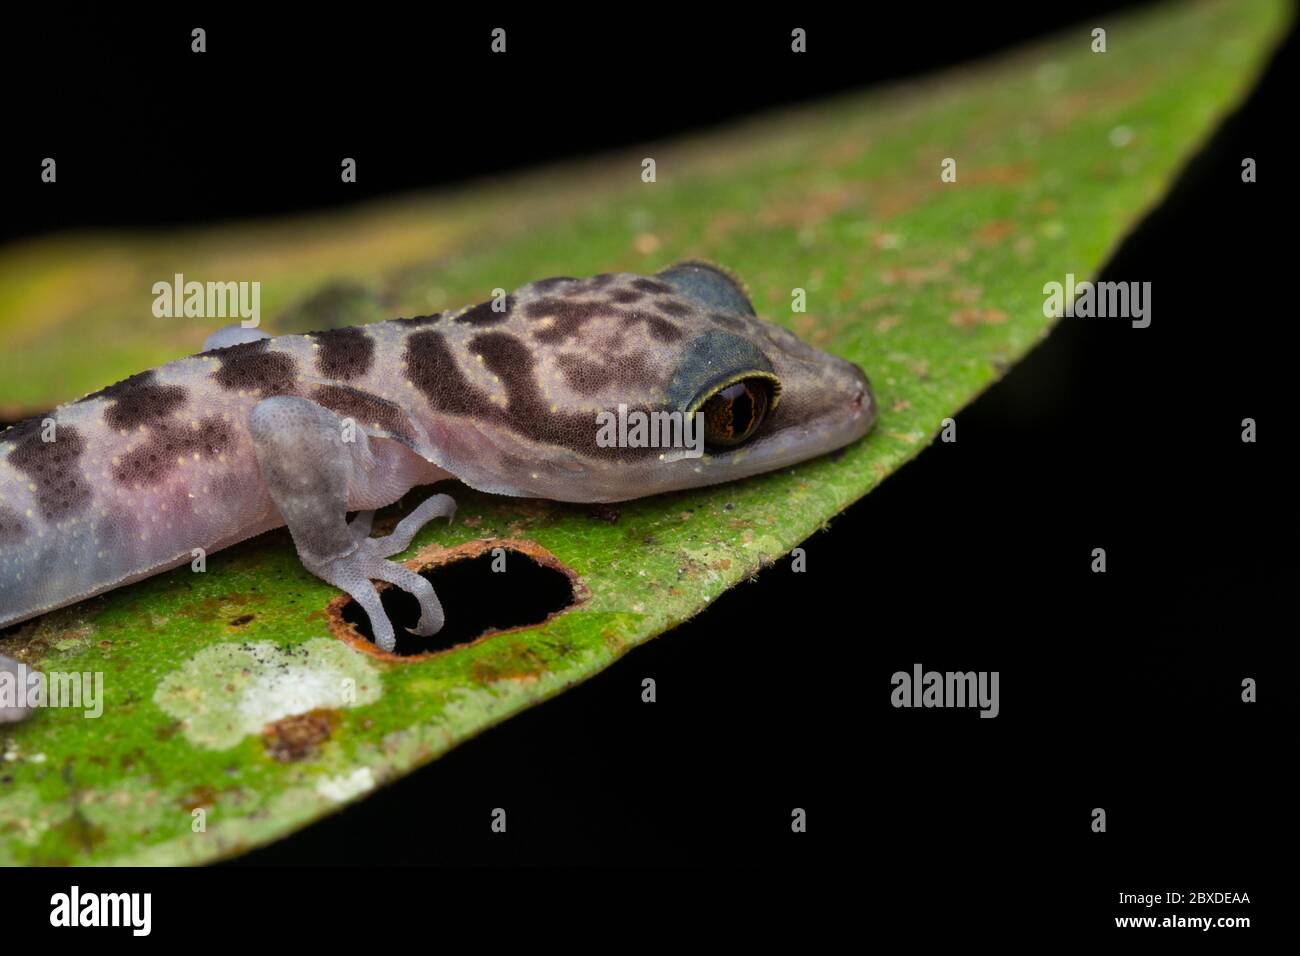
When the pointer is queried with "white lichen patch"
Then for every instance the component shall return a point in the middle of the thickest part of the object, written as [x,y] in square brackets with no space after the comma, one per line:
[226,692]
[339,789]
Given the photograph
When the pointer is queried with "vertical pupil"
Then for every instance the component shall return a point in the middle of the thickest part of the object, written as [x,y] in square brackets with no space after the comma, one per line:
[732,414]
[740,399]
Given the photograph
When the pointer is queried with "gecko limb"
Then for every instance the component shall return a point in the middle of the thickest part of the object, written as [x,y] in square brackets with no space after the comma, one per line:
[308,467]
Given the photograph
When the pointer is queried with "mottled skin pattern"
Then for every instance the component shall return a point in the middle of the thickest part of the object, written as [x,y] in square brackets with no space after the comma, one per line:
[502,395]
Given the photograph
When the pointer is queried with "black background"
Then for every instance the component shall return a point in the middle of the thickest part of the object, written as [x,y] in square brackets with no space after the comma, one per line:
[1118,690]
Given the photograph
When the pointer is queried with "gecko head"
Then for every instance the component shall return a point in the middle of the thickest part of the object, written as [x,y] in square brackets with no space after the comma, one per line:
[765,398]
[621,386]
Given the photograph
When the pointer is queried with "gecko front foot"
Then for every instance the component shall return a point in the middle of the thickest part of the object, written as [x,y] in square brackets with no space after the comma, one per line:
[307,465]
[354,573]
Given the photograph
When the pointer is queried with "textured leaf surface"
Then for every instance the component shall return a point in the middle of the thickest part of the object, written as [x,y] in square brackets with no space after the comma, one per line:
[935,289]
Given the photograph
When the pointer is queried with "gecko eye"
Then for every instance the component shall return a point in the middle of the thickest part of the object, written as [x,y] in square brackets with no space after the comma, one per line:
[733,414]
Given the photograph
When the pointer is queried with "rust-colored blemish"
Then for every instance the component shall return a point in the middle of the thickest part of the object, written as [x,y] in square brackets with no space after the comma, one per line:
[75,831]
[298,737]
[894,199]
[517,662]
[914,275]
[969,318]
[212,608]
[1009,174]
[201,796]
[809,208]
[434,556]
[994,232]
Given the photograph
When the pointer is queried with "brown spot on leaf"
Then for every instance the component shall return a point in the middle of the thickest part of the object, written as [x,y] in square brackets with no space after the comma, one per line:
[1007,174]
[299,737]
[914,275]
[202,796]
[993,232]
[969,318]
[516,661]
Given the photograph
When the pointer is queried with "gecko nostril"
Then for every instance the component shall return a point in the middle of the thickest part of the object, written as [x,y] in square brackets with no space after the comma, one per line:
[485,587]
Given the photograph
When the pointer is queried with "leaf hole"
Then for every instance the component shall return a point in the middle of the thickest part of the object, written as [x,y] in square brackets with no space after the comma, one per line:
[478,600]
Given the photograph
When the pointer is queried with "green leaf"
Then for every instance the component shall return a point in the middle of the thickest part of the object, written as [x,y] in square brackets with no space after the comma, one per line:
[934,288]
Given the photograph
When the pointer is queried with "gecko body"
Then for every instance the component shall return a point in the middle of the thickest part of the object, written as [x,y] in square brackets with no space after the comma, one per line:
[258,432]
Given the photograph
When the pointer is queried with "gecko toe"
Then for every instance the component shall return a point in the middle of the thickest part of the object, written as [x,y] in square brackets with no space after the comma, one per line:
[359,587]
[435,506]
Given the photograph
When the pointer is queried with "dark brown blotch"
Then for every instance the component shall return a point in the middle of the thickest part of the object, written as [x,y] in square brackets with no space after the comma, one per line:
[138,400]
[12,526]
[511,361]
[588,377]
[345,353]
[569,315]
[659,327]
[366,408]
[417,321]
[528,413]
[546,285]
[727,321]
[150,462]
[652,285]
[61,491]
[252,366]
[15,434]
[484,314]
[433,370]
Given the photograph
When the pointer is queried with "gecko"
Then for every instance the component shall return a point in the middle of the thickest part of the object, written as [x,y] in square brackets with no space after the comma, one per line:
[253,432]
